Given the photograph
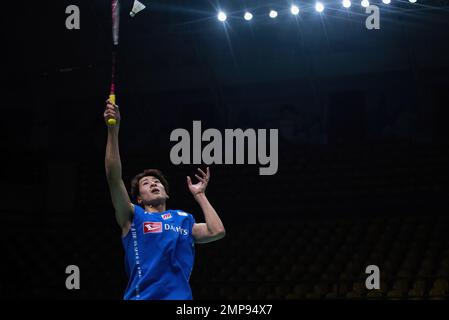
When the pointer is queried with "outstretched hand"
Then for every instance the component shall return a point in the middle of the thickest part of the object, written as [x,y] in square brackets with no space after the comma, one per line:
[199,187]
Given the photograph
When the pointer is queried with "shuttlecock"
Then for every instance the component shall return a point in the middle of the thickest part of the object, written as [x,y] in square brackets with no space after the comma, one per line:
[137,7]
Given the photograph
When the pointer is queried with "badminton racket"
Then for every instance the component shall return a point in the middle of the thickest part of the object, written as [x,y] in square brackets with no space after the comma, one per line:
[115,39]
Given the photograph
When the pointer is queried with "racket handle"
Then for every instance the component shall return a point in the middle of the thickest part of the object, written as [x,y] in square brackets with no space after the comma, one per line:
[112,121]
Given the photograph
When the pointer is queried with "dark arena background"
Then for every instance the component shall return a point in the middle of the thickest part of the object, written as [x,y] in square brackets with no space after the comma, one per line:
[362,117]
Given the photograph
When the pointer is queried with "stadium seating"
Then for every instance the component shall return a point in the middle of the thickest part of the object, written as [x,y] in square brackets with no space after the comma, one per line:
[311,243]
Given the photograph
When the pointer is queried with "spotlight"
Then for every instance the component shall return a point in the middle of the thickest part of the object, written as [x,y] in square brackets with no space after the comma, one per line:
[221,16]
[412,1]
[319,7]
[294,10]
[273,14]
[365,3]
[248,16]
[346,3]
[386,1]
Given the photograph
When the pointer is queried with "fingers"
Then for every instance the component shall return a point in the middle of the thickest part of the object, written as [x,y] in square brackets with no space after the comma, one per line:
[109,101]
[111,111]
[202,172]
[205,174]
[112,106]
[203,180]
[110,114]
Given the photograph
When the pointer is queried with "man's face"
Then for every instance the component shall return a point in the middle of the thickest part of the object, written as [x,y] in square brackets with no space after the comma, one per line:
[151,191]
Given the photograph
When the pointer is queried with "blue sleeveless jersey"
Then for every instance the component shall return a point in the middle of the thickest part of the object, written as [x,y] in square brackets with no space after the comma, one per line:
[159,254]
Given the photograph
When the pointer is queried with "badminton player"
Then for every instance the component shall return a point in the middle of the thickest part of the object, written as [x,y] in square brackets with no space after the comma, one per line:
[158,243]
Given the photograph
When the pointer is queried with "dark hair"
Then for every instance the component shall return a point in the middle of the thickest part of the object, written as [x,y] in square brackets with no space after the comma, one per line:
[147,172]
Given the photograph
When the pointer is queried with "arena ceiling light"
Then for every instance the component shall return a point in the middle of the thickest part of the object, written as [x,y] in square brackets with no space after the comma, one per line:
[273,14]
[222,16]
[346,3]
[248,16]
[319,6]
[294,10]
[365,3]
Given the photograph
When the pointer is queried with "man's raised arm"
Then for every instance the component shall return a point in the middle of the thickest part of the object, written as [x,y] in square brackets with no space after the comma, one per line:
[213,229]
[124,209]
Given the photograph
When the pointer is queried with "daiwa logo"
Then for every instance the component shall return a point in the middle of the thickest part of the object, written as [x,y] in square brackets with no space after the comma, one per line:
[180,230]
[152,227]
